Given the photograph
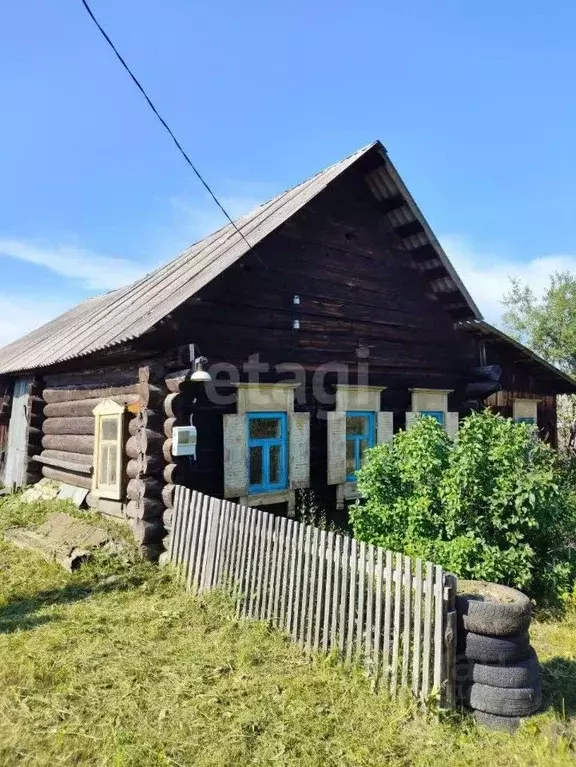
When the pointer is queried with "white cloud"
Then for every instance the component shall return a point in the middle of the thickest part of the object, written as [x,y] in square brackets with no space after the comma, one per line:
[86,271]
[92,270]
[486,273]
[19,316]
[198,221]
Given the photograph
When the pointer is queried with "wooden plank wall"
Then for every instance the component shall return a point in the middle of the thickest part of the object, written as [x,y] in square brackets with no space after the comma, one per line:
[392,615]
[355,285]
[6,388]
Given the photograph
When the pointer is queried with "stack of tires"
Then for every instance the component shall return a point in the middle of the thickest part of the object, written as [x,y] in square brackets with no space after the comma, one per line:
[497,672]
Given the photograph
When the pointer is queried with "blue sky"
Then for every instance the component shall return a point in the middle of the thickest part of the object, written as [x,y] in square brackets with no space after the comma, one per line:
[474,102]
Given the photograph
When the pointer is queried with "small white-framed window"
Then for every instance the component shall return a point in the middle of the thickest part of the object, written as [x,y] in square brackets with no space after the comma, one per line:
[355,426]
[433,403]
[525,411]
[108,449]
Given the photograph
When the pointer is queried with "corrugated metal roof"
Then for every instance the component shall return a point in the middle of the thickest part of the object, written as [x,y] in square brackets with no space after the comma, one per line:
[128,312]
[485,330]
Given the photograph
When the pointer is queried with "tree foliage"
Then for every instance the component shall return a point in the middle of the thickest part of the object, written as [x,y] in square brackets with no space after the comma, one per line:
[495,505]
[548,326]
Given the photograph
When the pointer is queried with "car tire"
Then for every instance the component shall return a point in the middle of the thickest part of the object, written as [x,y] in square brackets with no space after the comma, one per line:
[521,673]
[522,701]
[498,723]
[491,609]
[496,650]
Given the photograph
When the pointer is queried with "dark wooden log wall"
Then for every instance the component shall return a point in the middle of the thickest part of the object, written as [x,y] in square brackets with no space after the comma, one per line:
[205,473]
[68,429]
[67,445]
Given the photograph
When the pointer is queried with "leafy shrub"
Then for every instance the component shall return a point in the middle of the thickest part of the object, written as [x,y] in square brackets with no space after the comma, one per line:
[496,505]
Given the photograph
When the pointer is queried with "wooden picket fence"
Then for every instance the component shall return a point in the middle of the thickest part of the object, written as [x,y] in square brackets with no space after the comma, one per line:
[327,591]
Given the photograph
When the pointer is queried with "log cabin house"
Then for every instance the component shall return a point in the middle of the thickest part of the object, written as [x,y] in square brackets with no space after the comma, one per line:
[330,317]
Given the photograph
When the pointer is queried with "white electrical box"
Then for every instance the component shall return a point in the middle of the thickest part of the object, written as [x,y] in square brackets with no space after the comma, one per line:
[184,440]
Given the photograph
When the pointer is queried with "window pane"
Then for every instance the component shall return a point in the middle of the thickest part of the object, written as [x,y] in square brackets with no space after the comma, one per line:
[364,447]
[356,425]
[103,479]
[350,459]
[112,458]
[256,466]
[265,428]
[275,468]
[109,428]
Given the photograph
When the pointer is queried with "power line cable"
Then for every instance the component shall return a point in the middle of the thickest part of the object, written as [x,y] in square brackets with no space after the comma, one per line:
[164,123]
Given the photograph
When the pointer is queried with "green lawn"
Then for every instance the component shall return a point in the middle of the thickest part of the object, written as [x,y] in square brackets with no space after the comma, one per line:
[116,666]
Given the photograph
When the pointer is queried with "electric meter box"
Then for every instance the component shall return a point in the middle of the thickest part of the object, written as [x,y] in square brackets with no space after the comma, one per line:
[184,440]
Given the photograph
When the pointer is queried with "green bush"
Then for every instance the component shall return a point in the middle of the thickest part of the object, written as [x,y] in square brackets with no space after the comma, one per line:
[496,505]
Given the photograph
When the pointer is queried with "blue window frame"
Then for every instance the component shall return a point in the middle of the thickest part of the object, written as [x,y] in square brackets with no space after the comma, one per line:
[526,419]
[438,415]
[360,437]
[267,449]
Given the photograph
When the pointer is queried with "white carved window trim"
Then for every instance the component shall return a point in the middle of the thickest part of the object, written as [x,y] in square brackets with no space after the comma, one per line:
[350,399]
[106,411]
[265,398]
[433,402]
[430,399]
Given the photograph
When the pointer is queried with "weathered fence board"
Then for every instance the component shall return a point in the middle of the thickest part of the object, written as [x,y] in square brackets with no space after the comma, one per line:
[327,591]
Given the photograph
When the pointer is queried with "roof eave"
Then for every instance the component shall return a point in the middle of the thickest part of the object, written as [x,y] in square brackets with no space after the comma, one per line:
[568,384]
[442,255]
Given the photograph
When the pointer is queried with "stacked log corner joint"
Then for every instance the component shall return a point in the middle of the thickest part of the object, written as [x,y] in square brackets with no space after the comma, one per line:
[35,419]
[145,465]
[173,469]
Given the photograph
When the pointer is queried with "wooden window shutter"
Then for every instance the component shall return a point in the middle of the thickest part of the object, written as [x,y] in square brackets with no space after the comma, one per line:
[385,427]
[452,420]
[336,447]
[235,456]
[299,450]
[410,419]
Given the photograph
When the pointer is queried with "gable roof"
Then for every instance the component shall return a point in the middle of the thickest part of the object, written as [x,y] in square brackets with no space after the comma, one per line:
[128,312]
[531,362]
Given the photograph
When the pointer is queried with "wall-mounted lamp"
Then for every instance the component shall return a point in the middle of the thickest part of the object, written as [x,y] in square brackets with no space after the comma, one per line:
[200,374]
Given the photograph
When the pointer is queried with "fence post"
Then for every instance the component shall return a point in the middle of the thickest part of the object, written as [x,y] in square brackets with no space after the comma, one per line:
[450,629]
[210,550]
